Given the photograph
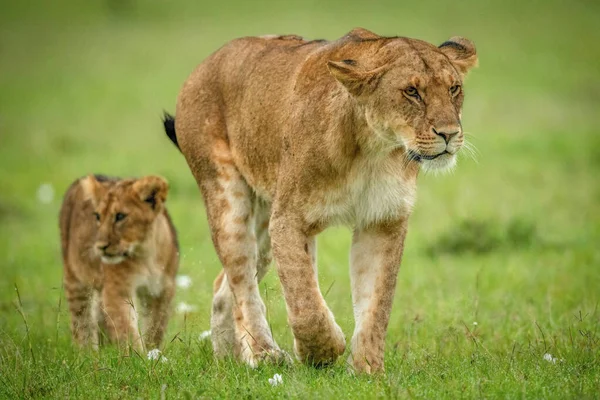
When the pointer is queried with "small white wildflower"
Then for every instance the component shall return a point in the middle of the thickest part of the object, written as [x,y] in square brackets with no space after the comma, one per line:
[548,357]
[155,354]
[183,281]
[185,308]
[204,335]
[276,380]
[45,193]
[475,323]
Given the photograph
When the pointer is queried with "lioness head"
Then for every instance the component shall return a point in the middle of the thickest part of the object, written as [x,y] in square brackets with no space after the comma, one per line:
[124,212]
[411,93]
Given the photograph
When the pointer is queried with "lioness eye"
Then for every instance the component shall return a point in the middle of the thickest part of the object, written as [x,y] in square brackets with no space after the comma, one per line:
[97,216]
[412,92]
[454,90]
[120,216]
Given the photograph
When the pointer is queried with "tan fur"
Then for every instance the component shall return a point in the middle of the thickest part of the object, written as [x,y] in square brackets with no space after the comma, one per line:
[315,133]
[111,267]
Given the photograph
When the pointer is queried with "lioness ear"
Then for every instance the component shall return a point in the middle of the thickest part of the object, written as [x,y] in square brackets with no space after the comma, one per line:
[152,190]
[92,189]
[362,33]
[355,80]
[461,52]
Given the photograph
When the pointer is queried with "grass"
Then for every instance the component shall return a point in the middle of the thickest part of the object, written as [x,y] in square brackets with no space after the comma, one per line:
[501,265]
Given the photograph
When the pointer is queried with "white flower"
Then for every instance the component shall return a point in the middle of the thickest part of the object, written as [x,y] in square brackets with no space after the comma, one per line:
[475,323]
[185,308]
[45,193]
[155,354]
[183,281]
[548,357]
[204,335]
[276,380]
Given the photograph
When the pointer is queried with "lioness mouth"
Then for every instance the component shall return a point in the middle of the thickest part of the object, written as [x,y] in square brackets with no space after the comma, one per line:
[108,255]
[420,157]
[113,259]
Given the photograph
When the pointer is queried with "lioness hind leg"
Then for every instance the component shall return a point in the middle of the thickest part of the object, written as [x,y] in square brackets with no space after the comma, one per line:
[229,204]
[262,216]
[221,319]
[222,322]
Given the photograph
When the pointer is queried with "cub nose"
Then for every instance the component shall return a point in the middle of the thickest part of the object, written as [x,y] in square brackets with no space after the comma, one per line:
[447,132]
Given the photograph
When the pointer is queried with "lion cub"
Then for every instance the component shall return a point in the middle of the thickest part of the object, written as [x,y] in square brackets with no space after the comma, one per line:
[120,251]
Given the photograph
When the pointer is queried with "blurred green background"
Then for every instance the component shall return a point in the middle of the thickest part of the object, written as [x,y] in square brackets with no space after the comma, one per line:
[509,241]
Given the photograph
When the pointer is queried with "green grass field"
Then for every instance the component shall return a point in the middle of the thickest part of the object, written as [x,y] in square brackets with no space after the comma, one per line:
[502,260]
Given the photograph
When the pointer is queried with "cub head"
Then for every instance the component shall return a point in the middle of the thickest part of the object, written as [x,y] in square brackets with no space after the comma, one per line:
[411,94]
[124,212]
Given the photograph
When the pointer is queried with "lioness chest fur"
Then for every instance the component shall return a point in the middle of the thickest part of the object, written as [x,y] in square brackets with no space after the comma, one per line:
[374,191]
[286,137]
[120,258]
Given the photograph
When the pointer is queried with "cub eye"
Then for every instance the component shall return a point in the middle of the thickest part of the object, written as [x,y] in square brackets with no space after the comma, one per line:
[97,216]
[454,90]
[412,92]
[120,217]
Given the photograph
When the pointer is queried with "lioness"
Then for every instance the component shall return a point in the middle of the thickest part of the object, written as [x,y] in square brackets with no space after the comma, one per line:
[286,137]
[118,245]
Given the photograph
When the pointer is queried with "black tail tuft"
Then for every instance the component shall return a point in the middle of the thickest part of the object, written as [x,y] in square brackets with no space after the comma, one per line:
[169,124]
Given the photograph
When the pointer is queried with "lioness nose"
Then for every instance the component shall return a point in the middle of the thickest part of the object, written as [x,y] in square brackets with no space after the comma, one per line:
[102,246]
[446,132]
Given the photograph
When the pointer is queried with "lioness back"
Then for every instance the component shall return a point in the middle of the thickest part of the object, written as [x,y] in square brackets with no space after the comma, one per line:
[247,83]
[118,243]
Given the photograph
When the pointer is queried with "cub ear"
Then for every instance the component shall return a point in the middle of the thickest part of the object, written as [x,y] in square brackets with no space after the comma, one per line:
[92,189]
[357,81]
[461,52]
[152,190]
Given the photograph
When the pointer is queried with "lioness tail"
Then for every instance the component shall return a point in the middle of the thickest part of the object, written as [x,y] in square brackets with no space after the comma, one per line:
[169,124]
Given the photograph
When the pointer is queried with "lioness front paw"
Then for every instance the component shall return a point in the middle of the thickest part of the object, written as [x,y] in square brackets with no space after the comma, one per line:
[362,364]
[322,349]
[368,347]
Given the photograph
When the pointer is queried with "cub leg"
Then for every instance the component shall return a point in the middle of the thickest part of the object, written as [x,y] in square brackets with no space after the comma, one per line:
[81,299]
[318,339]
[374,262]
[156,313]
[119,310]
